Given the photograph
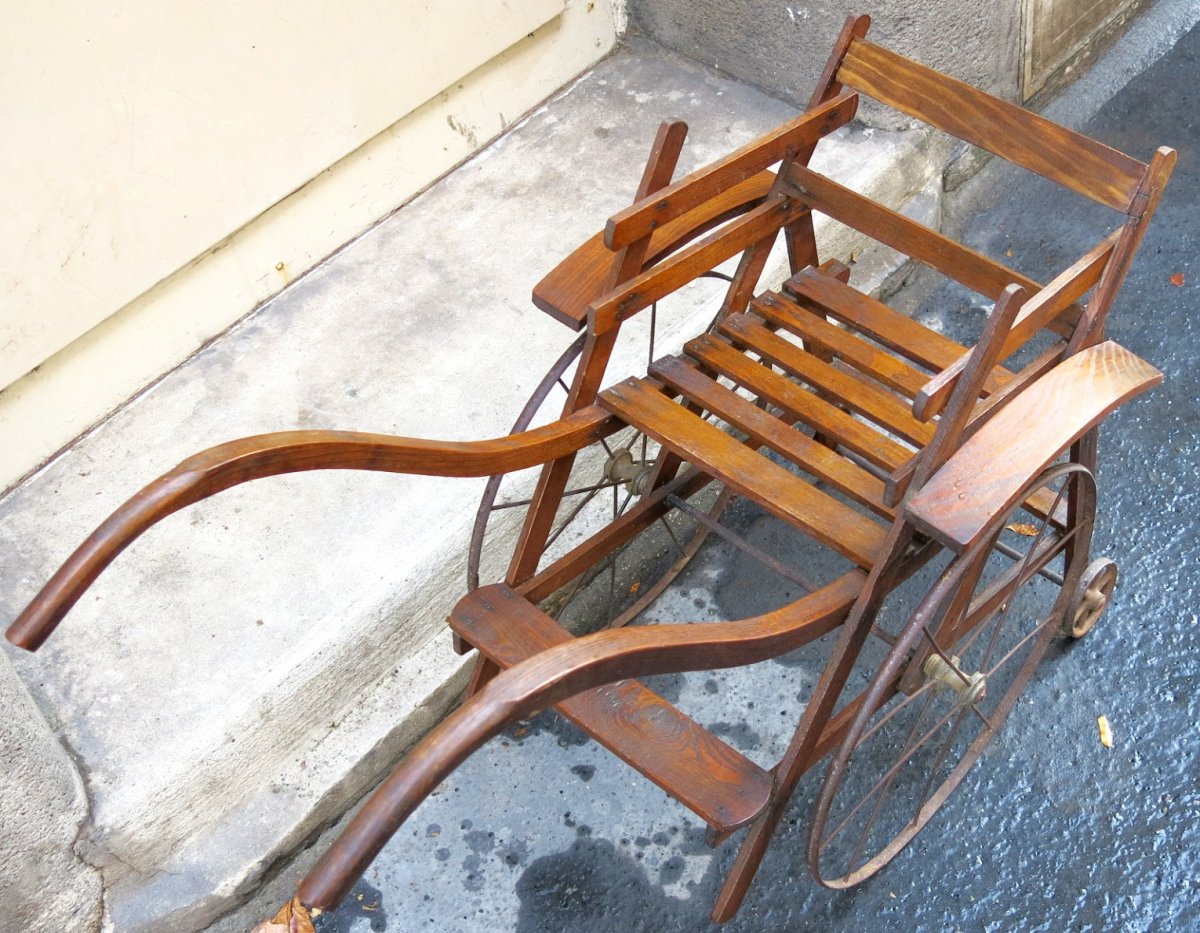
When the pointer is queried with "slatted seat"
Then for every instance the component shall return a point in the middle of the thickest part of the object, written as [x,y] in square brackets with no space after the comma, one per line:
[748,472]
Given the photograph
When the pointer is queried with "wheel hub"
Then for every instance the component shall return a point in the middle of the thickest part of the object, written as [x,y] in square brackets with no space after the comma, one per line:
[970,687]
[637,475]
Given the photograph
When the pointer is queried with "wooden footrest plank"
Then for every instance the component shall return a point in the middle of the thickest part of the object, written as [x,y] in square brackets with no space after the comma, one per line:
[716,782]
[784,494]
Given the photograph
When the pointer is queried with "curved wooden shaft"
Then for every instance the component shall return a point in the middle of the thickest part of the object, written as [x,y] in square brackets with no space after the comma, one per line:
[250,458]
[553,676]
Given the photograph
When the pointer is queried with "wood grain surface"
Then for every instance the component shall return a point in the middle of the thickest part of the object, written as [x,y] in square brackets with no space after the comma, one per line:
[984,477]
[1011,132]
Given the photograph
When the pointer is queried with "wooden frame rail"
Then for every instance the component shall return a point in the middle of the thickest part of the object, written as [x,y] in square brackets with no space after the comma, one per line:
[642,290]
[924,244]
[643,216]
[1037,313]
[1017,135]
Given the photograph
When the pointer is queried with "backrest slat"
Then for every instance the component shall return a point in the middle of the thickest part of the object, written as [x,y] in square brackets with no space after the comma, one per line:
[654,284]
[1027,139]
[924,244]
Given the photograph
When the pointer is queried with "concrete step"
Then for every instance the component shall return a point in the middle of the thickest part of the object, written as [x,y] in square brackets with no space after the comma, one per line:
[251,665]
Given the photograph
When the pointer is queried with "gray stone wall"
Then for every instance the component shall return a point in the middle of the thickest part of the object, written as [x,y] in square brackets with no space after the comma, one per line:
[781,46]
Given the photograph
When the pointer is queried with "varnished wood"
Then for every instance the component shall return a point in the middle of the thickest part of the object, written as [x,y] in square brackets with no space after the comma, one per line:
[1145,202]
[550,677]
[769,431]
[828,86]
[800,404]
[686,265]
[571,286]
[878,405]
[1037,313]
[784,494]
[908,338]
[817,333]
[954,435]
[982,361]
[898,482]
[593,363]
[983,478]
[251,458]
[717,783]
[961,263]
[1026,139]
[641,218]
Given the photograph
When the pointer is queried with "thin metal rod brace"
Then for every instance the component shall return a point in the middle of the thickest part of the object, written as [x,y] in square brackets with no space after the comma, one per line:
[1014,554]
[742,544]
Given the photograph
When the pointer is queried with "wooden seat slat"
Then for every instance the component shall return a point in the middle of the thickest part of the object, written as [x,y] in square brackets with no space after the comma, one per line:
[762,427]
[718,783]
[865,357]
[878,405]
[783,494]
[911,339]
[804,406]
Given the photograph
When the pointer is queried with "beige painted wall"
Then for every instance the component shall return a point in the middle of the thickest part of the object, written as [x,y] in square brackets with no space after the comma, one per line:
[181,162]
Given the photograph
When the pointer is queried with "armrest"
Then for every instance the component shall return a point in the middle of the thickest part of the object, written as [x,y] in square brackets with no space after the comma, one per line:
[572,285]
[985,476]
[1043,309]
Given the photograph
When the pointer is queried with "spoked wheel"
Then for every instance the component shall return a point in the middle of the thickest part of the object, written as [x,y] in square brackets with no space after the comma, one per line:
[950,681]
[607,481]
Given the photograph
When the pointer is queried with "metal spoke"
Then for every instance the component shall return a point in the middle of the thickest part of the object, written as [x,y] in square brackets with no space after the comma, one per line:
[578,491]
[743,545]
[886,790]
[887,776]
[571,517]
[671,533]
[941,756]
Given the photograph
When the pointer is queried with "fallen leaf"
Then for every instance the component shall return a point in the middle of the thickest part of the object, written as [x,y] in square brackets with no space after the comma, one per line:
[1177,279]
[1105,731]
[1022,528]
[635,587]
[854,254]
[1008,252]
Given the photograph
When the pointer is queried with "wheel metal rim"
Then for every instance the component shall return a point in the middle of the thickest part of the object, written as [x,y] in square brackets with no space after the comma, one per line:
[1074,543]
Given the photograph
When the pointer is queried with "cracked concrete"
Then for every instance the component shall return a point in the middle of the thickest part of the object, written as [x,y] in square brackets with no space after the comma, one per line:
[43,810]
